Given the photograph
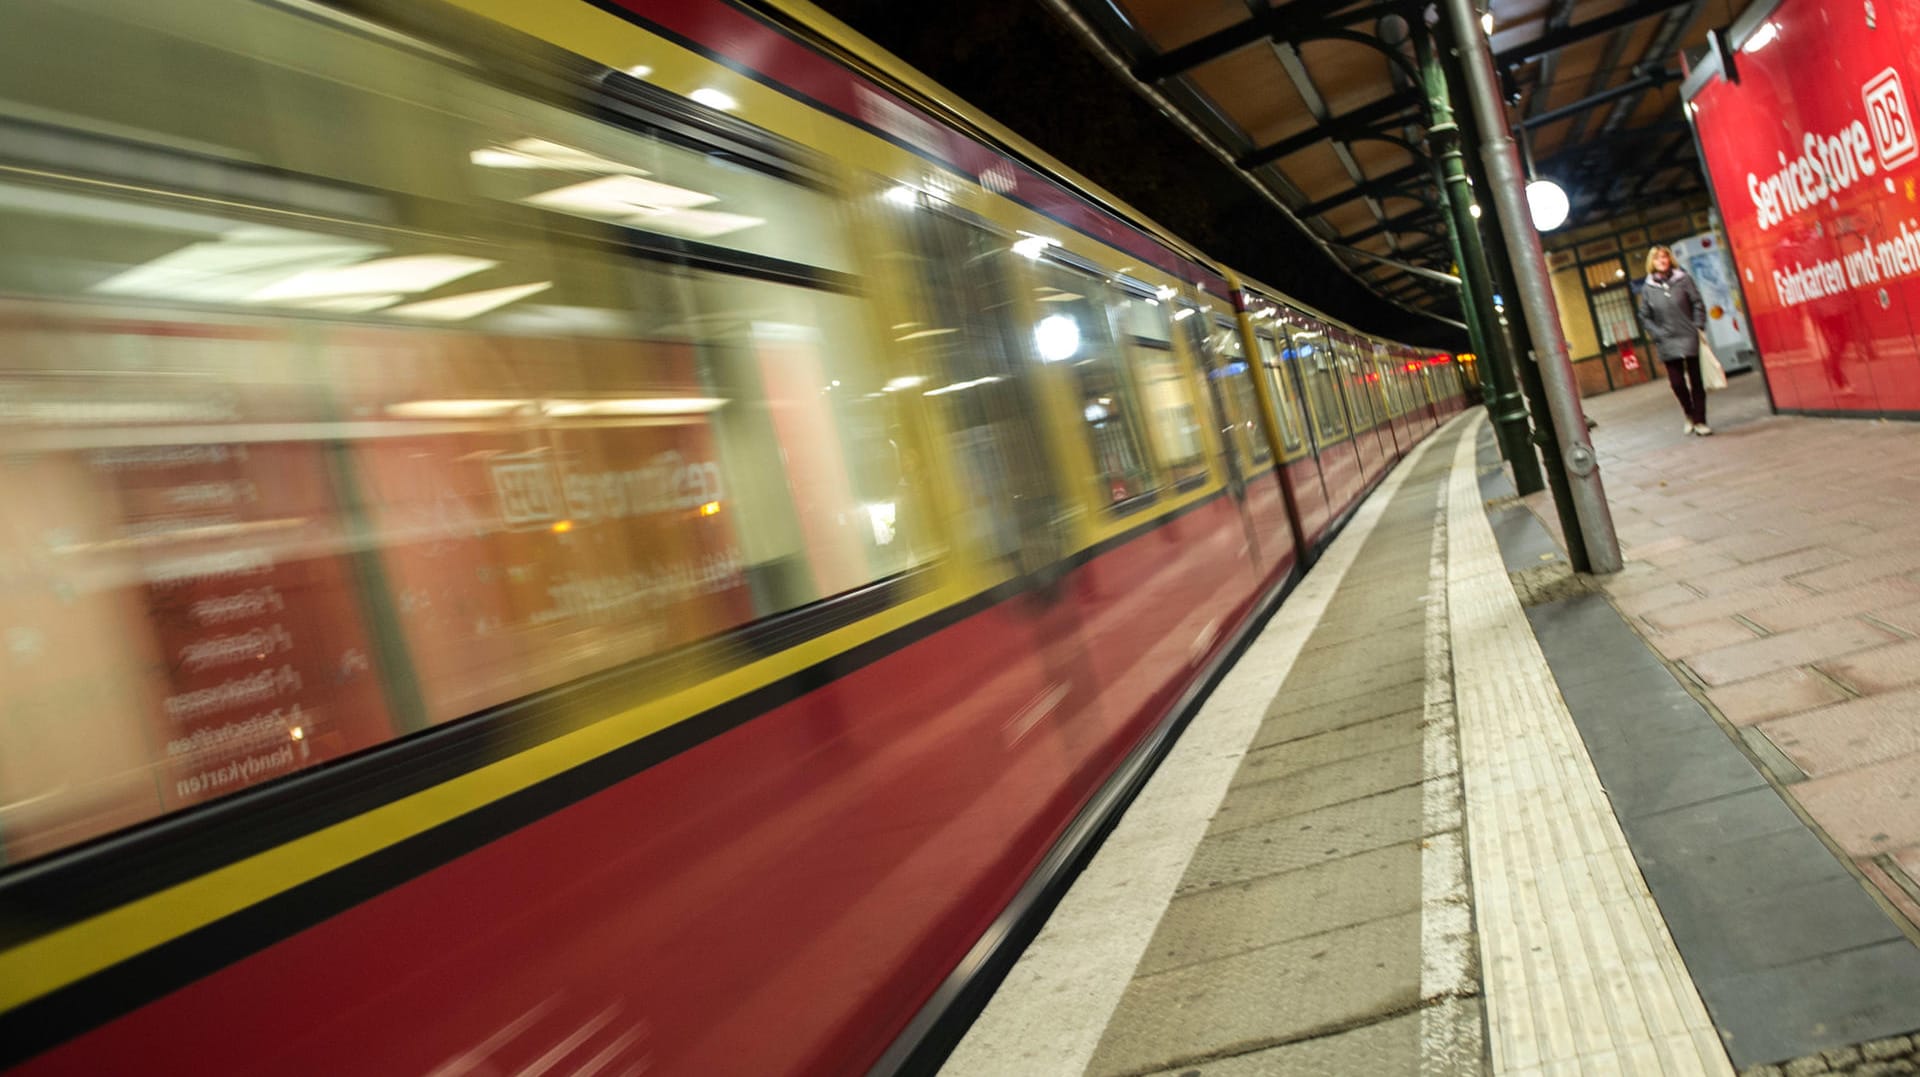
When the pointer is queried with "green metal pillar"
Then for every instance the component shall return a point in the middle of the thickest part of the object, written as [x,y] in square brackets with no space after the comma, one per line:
[1513,327]
[1495,346]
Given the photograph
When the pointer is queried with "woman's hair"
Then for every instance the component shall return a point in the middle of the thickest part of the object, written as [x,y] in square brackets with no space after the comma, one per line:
[1657,249]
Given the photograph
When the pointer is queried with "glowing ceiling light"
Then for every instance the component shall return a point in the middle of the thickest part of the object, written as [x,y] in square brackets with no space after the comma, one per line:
[1486,22]
[1182,314]
[1165,291]
[404,275]
[639,406]
[1474,210]
[233,267]
[456,409]
[713,98]
[540,153]
[458,308]
[903,196]
[898,384]
[619,197]
[1057,337]
[698,223]
[1033,246]
[640,71]
[1548,204]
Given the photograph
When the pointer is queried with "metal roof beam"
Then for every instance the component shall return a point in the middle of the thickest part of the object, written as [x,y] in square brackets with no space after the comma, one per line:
[1552,40]
[1344,127]
[1405,222]
[1644,82]
[1301,20]
[1378,187]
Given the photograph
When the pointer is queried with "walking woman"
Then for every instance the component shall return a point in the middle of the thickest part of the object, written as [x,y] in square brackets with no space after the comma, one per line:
[1672,313]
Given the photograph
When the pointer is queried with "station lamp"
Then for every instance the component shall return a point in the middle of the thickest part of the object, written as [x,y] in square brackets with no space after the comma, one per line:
[1548,204]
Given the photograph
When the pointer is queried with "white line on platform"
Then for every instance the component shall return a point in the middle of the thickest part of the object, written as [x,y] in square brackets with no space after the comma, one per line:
[1578,970]
[1450,1040]
[1049,1014]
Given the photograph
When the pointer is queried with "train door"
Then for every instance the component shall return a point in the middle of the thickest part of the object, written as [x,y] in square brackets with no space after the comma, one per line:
[1299,462]
[1265,502]
[1339,463]
[1010,508]
[1234,451]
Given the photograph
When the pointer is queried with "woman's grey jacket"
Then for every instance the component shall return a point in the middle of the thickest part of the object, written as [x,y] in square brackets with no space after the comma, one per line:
[1672,314]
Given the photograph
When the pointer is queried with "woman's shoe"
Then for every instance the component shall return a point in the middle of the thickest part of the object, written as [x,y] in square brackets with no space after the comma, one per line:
[1702,429]
[1686,427]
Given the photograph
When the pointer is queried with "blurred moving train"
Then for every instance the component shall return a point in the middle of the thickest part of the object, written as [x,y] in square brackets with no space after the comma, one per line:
[591,538]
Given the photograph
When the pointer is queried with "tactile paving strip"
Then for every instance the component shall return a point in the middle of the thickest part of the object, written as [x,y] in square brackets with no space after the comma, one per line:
[1580,975]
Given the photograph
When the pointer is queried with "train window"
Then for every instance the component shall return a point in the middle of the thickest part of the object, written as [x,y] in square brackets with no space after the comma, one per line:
[1359,390]
[267,90]
[1007,503]
[1073,331]
[1234,374]
[1314,354]
[1165,388]
[282,486]
[1390,387]
[1233,433]
[1287,405]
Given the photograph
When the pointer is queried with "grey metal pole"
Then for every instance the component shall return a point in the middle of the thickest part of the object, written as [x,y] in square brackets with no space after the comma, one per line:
[1536,293]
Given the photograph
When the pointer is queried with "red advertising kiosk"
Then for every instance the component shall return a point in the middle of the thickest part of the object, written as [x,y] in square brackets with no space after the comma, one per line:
[1805,118]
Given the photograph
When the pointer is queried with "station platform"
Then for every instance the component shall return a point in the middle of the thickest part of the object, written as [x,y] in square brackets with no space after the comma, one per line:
[1458,810]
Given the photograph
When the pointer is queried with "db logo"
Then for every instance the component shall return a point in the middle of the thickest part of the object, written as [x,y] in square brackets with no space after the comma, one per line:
[1893,134]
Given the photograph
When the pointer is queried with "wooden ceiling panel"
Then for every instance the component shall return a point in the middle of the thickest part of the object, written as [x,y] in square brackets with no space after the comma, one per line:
[1550,139]
[1250,88]
[1350,217]
[1168,24]
[1347,75]
[1316,172]
[1378,158]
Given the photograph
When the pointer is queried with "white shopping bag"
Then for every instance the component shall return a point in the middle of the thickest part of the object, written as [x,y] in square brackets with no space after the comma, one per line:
[1711,372]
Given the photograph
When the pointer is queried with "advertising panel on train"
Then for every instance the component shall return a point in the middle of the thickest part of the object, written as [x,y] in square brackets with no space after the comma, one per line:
[1815,162]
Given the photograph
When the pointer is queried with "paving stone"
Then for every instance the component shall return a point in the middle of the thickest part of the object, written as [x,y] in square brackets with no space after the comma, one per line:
[1700,638]
[1284,992]
[1286,757]
[1771,570]
[1798,648]
[1384,1047]
[1315,837]
[1863,570]
[1819,1004]
[1785,691]
[1851,734]
[1363,670]
[1208,924]
[1789,923]
[1905,618]
[1290,720]
[1645,777]
[1879,670]
[1872,809]
[1317,787]
[1697,609]
[1880,596]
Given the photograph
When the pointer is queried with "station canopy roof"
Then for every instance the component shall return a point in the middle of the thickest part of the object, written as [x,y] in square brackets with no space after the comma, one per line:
[1315,102]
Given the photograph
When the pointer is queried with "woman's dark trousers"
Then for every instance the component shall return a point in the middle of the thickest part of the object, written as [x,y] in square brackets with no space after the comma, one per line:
[1684,375]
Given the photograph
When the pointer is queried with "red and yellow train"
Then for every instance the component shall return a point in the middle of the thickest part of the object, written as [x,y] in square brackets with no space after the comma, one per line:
[591,537]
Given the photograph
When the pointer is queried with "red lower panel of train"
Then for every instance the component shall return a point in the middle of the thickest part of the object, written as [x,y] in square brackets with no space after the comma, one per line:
[780,899]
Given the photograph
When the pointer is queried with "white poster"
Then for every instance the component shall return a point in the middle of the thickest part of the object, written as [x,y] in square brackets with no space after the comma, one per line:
[1706,259]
